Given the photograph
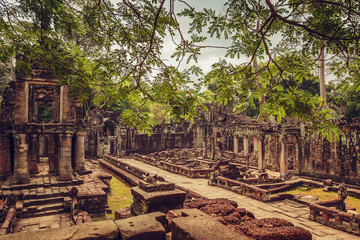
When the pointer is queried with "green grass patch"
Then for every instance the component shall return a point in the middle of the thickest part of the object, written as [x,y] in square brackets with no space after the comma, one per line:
[325,196]
[119,197]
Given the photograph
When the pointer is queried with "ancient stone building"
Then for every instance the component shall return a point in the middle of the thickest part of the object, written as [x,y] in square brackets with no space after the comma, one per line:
[41,128]
[104,134]
[282,147]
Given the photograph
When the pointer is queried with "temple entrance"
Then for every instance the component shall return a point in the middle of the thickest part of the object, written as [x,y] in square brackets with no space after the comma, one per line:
[43,160]
[43,153]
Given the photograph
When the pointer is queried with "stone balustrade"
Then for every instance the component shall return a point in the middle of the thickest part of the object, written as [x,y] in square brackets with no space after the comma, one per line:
[242,188]
[9,222]
[123,165]
[174,168]
[327,214]
[186,171]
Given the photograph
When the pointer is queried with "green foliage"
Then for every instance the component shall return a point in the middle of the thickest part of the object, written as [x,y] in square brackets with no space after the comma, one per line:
[159,113]
[289,87]
[286,66]
[110,54]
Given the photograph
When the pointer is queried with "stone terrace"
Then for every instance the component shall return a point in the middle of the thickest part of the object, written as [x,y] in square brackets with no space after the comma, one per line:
[46,202]
[294,212]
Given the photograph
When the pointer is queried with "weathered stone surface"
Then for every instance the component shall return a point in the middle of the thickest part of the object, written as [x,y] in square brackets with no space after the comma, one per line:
[143,227]
[122,213]
[328,182]
[157,186]
[146,202]
[223,210]
[273,229]
[103,230]
[193,224]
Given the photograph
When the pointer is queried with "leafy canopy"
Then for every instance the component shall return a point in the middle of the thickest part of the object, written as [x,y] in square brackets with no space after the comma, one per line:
[111,53]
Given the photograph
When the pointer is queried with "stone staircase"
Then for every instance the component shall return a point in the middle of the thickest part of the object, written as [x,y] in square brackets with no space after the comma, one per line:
[43,196]
[45,206]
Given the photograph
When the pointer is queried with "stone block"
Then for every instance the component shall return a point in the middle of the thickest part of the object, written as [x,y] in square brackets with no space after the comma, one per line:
[122,213]
[192,224]
[158,186]
[143,227]
[102,230]
[163,201]
[328,182]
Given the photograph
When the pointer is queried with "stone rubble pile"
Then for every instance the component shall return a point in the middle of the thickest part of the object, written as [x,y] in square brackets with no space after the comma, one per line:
[242,221]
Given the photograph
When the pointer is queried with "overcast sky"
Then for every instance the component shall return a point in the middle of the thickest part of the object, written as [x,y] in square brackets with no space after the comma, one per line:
[208,55]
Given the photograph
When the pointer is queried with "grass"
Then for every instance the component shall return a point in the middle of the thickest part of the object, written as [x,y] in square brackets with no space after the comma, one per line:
[119,197]
[324,196]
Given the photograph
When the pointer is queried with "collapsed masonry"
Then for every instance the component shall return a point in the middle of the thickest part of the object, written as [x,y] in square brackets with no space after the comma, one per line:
[289,146]
[41,125]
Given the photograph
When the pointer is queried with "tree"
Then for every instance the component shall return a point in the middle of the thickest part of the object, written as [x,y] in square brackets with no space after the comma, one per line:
[304,27]
[110,53]
[105,53]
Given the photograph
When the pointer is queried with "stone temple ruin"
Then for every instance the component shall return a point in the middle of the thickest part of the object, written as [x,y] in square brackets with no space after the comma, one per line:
[45,139]
[40,125]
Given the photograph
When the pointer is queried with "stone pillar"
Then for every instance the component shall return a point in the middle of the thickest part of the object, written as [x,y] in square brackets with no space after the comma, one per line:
[261,153]
[42,145]
[297,163]
[5,166]
[283,156]
[53,157]
[33,154]
[236,145]
[198,142]
[65,171]
[80,151]
[246,145]
[21,168]
[255,140]
[204,148]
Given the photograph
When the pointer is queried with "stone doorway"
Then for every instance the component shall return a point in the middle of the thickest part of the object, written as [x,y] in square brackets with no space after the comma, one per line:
[43,153]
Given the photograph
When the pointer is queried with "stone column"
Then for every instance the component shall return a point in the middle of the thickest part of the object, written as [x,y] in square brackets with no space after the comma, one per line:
[297,163]
[53,157]
[42,145]
[246,145]
[198,142]
[5,166]
[261,153]
[283,156]
[65,171]
[33,154]
[80,151]
[21,168]
[205,150]
[255,140]
[236,145]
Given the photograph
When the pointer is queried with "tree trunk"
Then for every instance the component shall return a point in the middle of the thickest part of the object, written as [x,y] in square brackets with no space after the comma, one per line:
[259,84]
[322,73]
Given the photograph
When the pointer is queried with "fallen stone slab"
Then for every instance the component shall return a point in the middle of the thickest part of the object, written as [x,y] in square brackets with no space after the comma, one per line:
[143,227]
[122,213]
[192,224]
[102,230]
[146,202]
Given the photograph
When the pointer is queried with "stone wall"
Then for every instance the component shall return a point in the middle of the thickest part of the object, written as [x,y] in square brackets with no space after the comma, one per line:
[284,147]
[339,159]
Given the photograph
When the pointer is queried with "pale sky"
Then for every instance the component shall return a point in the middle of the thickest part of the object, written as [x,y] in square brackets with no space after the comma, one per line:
[208,56]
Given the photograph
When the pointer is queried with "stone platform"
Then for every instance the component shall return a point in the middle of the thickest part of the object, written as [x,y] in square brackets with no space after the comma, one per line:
[46,196]
[294,212]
